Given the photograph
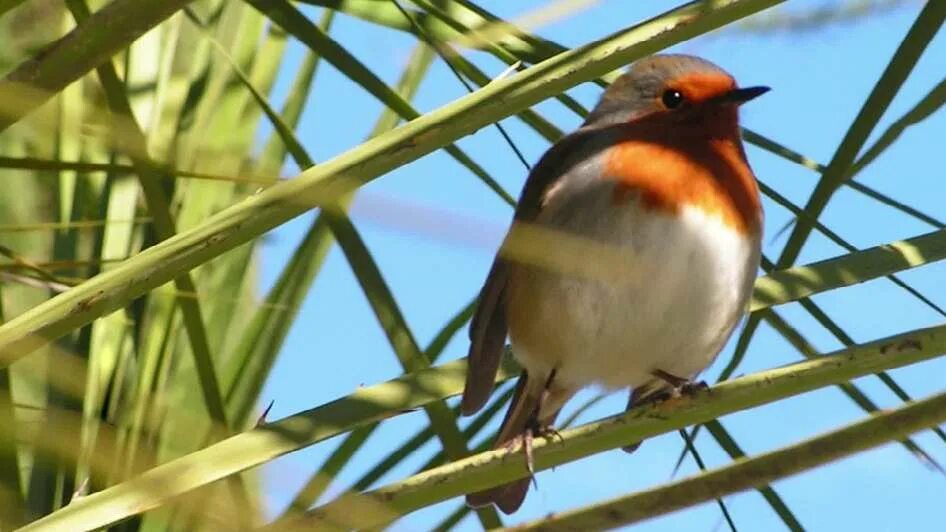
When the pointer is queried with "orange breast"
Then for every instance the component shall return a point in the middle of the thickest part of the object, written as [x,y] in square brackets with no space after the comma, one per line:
[710,175]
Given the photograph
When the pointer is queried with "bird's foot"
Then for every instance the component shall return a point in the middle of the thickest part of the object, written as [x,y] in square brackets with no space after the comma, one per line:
[690,388]
[536,430]
[632,447]
[680,386]
[527,438]
[548,432]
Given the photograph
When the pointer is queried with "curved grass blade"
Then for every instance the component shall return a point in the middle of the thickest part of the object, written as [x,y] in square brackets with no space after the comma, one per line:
[341,456]
[12,503]
[887,200]
[380,298]
[494,468]
[264,443]
[373,403]
[688,444]
[311,254]
[476,35]
[167,171]
[87,46]
[921,111]
[745,474]
[274,151]
[324,183]
[908,53]
[446,54]
[163,223]
[296,24]
[474,428]
[803,346]
[834,237]
[780,150]
[442,420]
[487,444]
[795,283]
[440,28]
[721,435]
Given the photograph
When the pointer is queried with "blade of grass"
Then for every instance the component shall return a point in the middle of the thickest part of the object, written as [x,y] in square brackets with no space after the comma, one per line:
[728,444]
[372,403]
[484,37]
[496,467]
[688,444]
[36,80]
[446,54]
[370,278]
[274,151]
[167,171]
[483,417]
[326,182]
[412,359]
[12,503]
[901,64]
[155,314]
[269,328]
[296,24]
[163,223]
[386,14]
[921,111]
[52,477]
[884,377]
[890,202]
[320,480]
[780,150]
[834,237]
[365,405]
[803,281]
[487,444]
[744,474]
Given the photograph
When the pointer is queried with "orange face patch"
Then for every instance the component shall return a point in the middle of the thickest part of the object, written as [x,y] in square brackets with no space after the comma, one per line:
[701,87]
[712,176]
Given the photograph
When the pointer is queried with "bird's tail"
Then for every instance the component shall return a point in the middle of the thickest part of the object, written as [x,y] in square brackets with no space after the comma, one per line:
[522,412]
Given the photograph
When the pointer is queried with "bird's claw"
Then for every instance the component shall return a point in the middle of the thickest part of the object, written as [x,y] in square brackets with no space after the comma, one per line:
[690,388]
[528,438]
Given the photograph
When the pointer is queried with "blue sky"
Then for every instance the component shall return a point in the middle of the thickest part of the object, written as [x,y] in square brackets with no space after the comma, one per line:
[433,229]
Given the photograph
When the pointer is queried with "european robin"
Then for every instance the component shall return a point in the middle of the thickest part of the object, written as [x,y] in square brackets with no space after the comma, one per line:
[658,174]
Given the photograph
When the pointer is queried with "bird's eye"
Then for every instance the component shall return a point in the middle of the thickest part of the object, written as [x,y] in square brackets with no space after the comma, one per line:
[672,98]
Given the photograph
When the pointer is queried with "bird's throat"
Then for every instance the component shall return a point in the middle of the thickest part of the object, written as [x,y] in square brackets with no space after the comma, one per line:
[707,173]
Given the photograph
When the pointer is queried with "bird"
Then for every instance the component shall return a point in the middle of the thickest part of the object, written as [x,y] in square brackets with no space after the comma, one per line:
[630,258]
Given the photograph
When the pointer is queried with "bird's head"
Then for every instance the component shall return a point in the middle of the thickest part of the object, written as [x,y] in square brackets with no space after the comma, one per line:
[691,93]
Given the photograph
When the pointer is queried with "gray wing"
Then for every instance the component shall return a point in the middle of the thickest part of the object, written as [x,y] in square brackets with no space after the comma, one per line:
[488,329]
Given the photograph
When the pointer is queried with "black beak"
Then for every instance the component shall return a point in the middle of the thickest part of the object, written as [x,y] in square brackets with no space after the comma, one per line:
[741,96]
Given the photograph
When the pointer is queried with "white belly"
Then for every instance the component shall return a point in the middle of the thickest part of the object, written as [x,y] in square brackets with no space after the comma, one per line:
[687,283]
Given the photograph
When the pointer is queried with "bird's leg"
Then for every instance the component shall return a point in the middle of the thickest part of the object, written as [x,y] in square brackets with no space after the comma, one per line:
[681,386]
[654,392]
[545,429]
[632,401]
[535,427]
[645,394]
